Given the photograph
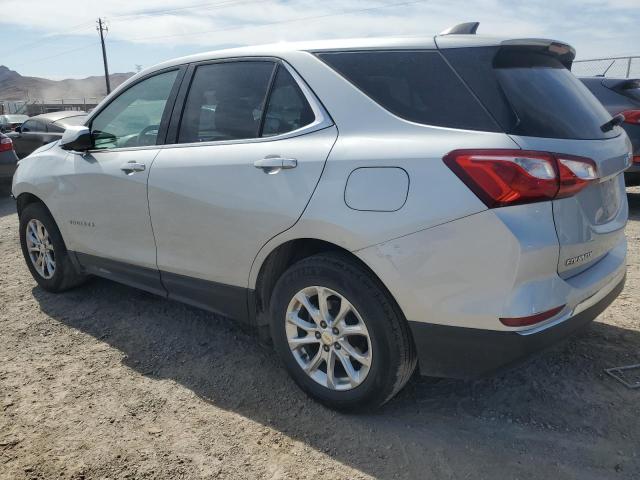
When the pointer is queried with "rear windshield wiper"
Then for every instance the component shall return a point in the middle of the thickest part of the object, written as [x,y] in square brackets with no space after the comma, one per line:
[614,122]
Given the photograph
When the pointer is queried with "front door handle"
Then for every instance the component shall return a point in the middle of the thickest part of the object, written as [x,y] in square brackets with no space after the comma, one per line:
[275,164]
[131,167]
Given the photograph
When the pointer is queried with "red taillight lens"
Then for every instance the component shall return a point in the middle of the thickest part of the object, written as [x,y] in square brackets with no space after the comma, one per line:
[575,174]
[632,117]
[511,177]
[532,319]
[5,144]
[636,159]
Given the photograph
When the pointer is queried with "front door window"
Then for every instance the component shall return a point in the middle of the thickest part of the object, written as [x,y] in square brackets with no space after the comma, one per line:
[133,118]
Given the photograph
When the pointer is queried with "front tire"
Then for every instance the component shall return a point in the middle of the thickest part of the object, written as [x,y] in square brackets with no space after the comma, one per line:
[340,334]
[44,250]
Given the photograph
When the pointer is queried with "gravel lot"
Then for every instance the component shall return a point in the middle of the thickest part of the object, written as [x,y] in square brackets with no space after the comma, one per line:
[109,382]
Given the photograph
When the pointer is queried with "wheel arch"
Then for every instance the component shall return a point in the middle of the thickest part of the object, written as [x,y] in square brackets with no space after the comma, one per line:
[286,254]
[27,198]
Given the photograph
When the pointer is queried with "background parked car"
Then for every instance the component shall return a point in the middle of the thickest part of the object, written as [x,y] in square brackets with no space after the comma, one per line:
[43,129]
[8,123]
[622,95]
[8,158]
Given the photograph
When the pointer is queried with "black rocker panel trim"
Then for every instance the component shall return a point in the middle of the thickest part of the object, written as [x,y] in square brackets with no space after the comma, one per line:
[228,300]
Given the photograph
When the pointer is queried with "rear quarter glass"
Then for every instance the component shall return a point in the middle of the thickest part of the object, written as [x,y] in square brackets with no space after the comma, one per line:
[416,85]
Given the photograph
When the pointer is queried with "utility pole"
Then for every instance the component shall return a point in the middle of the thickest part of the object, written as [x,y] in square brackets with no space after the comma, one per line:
[102,27]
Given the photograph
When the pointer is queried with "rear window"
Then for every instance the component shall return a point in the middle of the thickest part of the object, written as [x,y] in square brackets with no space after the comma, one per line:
[531,93]
[417,86]
[631,89]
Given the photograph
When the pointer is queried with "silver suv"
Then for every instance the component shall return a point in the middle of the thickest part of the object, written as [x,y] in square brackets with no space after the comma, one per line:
[454,202]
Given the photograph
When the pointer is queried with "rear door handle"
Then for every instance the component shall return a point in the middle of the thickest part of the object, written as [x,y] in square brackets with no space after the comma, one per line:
[132,167]
[275,164]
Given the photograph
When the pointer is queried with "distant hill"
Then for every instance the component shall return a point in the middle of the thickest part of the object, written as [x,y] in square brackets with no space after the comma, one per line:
[14,86]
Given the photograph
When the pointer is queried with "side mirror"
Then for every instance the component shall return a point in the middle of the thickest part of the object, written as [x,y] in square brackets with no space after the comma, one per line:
[18,129]
[76,138]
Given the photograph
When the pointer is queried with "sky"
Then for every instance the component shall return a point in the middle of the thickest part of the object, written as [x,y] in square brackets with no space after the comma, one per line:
[58,39]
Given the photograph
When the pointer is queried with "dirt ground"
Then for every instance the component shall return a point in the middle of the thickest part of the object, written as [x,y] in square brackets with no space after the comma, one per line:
[108,382]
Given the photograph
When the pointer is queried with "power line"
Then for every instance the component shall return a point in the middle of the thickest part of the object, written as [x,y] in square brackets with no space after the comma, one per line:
[278,22]
[55,56]
[203,6]
[44,38]
[65,33]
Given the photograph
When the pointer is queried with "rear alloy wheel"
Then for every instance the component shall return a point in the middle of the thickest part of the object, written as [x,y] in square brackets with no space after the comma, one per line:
[339,333]
[328,338]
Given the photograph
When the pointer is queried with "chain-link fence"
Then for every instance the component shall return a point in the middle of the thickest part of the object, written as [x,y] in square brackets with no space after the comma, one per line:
[38,106]
[618,67]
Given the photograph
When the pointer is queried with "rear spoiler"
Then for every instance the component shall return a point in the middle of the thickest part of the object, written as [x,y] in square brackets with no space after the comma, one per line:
[450,38]
[563,52]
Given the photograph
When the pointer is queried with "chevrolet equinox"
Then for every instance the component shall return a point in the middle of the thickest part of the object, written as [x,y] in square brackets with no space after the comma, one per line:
[452,202]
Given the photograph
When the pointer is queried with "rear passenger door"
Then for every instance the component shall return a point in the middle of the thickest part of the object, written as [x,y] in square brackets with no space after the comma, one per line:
[249,146]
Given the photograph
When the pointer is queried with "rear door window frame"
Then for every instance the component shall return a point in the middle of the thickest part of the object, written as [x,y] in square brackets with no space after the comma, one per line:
[322,118]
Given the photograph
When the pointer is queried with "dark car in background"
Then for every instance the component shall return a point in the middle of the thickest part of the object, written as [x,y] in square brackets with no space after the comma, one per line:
[43,129]
[8,158]
[8,123]
[621,95]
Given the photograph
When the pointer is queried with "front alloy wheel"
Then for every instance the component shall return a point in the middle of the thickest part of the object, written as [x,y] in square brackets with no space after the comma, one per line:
[40,248]
[328,338]
[44,250]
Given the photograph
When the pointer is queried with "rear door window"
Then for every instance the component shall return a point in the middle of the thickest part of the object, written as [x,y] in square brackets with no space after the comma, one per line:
[417,86]
[225,101]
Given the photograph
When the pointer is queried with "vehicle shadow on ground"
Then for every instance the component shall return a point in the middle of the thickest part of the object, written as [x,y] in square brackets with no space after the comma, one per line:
[634,205]
[7,205]
[506,423]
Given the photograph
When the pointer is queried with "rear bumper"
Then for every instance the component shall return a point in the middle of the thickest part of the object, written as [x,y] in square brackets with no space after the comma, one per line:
[458,352]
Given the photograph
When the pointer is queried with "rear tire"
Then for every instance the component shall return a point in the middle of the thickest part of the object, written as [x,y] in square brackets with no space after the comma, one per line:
[373,331]
[44,250]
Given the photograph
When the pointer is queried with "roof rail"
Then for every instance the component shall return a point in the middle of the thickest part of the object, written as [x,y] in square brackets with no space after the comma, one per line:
[468,28]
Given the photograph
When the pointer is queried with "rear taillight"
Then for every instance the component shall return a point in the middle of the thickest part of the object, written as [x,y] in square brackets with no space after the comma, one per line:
[636,159]
[6,144]
[632,117]
[511,177]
